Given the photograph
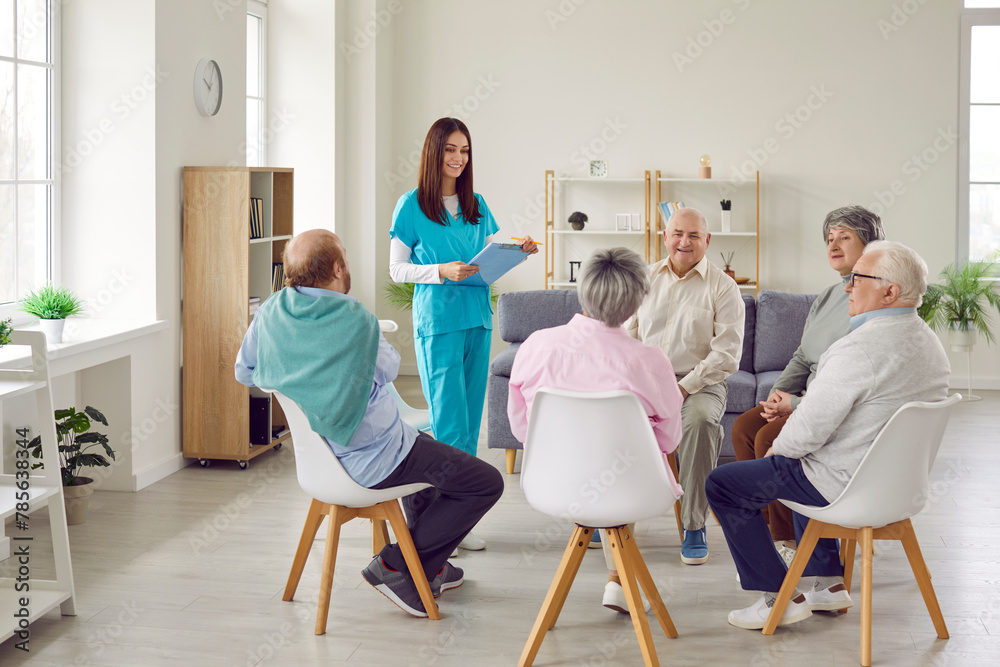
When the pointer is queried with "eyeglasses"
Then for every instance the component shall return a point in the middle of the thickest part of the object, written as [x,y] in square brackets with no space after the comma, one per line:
[862,275]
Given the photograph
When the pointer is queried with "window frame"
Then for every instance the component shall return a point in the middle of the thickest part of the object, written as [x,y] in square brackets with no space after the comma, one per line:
[970,17]
[258,8]
[49,257]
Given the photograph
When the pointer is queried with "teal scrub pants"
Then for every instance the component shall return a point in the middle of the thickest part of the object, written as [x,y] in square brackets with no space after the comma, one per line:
[453,368]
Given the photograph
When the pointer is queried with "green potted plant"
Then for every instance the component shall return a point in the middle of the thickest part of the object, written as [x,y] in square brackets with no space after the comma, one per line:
[5,330]
[962,302]
[75,442]
[51,305]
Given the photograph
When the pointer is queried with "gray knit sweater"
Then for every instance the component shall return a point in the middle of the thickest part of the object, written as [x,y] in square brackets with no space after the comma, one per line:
[827,322]
[862,379]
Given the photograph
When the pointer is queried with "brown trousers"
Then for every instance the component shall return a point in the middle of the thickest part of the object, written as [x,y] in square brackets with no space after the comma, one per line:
[752,437]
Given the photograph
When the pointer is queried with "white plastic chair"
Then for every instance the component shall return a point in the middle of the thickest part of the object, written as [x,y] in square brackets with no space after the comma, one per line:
[338,496]
[889,487]
[592,458]
[418,419]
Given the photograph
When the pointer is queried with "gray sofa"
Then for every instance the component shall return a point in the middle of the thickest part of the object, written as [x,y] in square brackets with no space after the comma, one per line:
[774,324]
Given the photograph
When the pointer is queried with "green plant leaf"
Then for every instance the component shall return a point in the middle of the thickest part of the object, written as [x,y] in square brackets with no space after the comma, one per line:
[51,303]
[964,299]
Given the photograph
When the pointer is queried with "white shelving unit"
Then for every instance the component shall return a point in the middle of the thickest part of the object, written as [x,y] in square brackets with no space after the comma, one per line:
[44,490]
[561,241]
[697,192]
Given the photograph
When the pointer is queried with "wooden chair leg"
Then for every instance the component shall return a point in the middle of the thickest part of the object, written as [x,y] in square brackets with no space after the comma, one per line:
[395,515]
[867,553]
[626,573]
[848,548]
[565,573]
[313,520]
[646,582]
[380,535]
[337,517]
[802,555]
[923,577]
[587,535]
[511,459]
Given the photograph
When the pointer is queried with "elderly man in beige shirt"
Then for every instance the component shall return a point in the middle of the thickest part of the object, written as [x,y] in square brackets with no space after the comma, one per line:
[694,313]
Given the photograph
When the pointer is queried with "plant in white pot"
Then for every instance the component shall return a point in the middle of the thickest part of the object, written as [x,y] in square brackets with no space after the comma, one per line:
[51,305]
[5,330]
[961,303]
[75,442]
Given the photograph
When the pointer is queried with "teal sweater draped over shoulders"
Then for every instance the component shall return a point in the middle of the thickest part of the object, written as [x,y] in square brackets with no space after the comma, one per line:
[321,353]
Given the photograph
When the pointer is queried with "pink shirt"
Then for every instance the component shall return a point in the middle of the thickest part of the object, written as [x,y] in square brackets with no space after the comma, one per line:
[588,356]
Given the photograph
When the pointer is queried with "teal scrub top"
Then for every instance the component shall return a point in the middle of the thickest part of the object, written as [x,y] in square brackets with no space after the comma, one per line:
[449,306]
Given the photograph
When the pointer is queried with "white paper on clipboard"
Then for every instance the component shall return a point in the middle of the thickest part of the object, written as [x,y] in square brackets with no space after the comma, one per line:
[493,261]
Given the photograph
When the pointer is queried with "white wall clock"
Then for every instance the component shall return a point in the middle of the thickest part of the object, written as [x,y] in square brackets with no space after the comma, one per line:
[207,87]
[598,168]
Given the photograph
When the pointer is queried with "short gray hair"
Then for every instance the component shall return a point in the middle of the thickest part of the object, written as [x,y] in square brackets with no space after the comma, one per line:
[858,219]
[901,266]
[613,283]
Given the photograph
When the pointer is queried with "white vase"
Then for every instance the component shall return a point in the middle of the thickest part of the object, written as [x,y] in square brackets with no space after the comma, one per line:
[77,499]
[727,221]
[53,329]
[961,340]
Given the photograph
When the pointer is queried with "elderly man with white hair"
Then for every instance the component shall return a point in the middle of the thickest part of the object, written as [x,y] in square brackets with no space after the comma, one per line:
[890,358]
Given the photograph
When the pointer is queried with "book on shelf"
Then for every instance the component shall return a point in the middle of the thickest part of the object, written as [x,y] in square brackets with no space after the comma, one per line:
[277,276]
[256,218]
[668,208]
[255,299]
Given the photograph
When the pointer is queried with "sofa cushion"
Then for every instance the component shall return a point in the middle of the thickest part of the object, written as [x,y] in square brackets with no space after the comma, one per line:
[765,382]
[503,362]
[749,332]
[742,392]
[520,314]
[781,317]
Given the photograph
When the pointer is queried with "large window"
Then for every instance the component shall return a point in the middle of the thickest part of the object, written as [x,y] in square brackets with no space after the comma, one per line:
[979,162]
[28,144]
[256,60]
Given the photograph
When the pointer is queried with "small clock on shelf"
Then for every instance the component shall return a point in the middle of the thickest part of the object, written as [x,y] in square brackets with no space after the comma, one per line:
[598,168]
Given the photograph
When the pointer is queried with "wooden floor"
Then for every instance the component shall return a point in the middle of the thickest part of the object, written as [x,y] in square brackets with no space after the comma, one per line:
[190,571]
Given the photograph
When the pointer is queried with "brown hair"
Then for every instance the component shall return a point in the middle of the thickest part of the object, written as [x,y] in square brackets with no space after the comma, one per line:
[312,269]
[429,181]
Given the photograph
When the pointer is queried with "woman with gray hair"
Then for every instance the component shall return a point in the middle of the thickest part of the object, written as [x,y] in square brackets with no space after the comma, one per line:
[847,231]
[593,353]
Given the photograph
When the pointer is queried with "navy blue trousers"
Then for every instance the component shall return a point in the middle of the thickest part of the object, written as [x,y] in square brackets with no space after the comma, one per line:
[737,491]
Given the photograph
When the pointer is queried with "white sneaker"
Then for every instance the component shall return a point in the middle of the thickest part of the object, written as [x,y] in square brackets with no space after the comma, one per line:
[833,598]
[472,543]
[786,553]
[755,616]
[614,598]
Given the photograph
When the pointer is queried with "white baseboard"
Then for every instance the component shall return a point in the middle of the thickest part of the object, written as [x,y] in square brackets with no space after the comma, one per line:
[960,382]
[157,471]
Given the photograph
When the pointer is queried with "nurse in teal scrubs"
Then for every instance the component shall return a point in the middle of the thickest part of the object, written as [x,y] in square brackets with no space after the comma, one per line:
[436,229]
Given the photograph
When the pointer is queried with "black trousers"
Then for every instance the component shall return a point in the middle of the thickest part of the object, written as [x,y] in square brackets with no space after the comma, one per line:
[463,489]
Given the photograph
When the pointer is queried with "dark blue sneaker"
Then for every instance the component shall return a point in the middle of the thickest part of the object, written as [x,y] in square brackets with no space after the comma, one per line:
[395,585]
[449,577]
[694,549]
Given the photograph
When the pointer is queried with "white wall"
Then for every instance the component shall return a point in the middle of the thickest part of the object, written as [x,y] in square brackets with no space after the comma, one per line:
[537,81]
[127,100]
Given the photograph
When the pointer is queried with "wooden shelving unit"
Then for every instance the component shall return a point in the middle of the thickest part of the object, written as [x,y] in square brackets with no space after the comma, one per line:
[696,192]
[42,489]
[599,231]
[223,268]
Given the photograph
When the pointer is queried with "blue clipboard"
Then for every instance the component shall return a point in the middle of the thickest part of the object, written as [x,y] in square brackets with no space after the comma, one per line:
[493,261]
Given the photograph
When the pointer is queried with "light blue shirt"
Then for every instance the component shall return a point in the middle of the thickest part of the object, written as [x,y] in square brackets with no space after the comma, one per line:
[861,318]
[382,440]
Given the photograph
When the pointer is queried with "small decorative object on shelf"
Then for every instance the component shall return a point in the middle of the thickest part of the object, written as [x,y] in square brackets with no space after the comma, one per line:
[705,170]
[75,439]
[727,215]
[572,270]
[5,331]
[623,222]
[598,168]
[728,260]
[577,219]
[51,305]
